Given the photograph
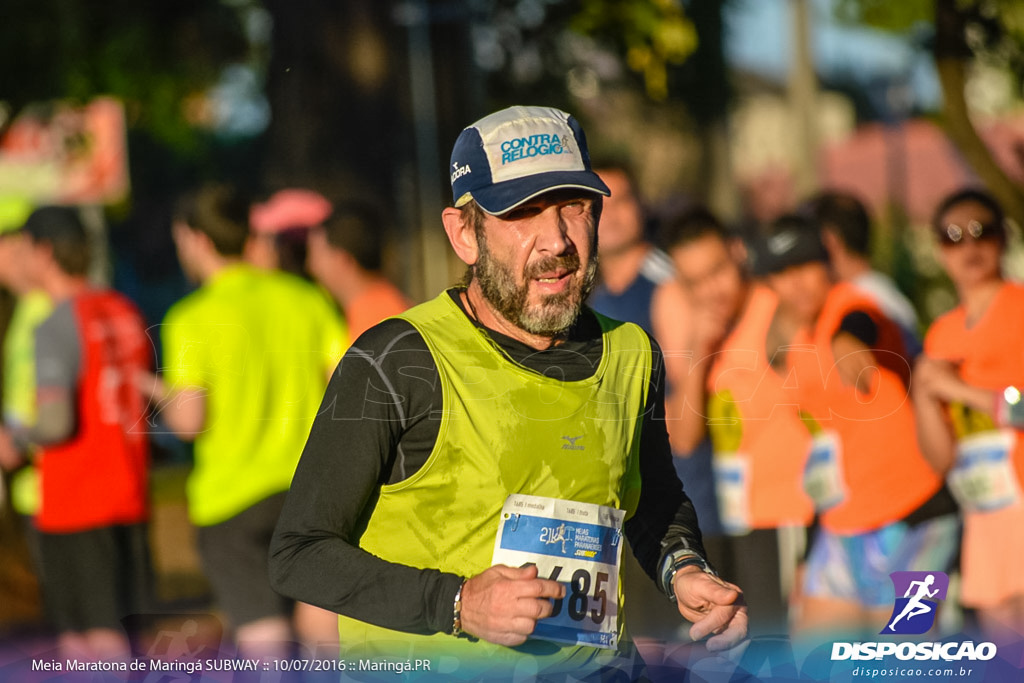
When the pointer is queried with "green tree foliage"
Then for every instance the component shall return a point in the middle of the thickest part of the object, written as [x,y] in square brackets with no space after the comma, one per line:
[652,35]
[992,30]
[672,48]
[156,55]
[892,16]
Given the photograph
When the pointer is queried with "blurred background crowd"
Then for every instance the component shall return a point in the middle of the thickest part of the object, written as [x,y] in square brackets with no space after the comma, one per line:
[331,123]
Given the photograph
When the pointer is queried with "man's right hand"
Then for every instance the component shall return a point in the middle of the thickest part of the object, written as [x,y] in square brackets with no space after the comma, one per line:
[503,604]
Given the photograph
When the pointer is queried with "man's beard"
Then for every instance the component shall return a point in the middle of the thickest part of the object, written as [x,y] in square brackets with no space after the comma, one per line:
[556,313]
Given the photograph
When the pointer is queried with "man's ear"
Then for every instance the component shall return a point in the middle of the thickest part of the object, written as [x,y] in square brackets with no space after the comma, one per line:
[181,233]
[461,235]
[190,241]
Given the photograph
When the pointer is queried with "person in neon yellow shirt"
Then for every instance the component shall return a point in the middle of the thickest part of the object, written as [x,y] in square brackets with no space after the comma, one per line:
[33,306]
[246,358]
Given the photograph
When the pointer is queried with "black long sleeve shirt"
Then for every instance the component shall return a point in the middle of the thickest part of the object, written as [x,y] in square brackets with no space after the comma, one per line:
[378,424]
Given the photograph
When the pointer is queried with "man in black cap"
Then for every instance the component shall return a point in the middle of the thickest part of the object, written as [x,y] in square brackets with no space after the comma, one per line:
[463,494]
[880,507]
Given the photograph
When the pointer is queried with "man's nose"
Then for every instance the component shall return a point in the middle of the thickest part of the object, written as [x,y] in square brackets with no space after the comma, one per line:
[552,232]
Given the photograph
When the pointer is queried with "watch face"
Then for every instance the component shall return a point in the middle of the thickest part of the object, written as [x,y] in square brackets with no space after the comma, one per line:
[677,561]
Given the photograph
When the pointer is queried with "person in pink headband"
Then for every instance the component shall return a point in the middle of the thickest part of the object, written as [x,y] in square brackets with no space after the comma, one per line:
[279,228]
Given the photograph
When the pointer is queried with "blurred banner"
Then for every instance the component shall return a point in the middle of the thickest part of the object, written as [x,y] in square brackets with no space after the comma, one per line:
[59,153]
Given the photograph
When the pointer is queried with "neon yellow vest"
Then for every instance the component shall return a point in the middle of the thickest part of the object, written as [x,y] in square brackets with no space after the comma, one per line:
[504,429]
[20,387]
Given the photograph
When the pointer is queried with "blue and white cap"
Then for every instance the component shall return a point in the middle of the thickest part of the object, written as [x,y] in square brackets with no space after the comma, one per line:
[513,155]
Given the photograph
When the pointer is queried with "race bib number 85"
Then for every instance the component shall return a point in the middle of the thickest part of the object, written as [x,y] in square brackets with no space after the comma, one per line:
[576,544]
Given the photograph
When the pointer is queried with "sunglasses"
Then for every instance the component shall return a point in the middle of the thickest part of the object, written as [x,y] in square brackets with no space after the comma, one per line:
[957,234]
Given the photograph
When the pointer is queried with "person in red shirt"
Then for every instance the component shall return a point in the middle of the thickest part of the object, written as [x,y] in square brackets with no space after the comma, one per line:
[967,396]
[94,452]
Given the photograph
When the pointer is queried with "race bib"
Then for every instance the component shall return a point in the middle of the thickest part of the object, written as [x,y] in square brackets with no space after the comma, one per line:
[732,484]
[823,473]
[983,478]
[580,546]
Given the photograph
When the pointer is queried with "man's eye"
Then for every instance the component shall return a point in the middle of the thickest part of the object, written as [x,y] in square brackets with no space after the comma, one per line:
[521,213]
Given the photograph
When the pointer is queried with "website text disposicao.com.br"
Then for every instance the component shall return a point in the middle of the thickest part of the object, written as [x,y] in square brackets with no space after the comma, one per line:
[911,672]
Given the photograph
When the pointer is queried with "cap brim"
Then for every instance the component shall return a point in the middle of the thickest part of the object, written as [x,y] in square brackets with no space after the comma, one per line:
[768,263]
[502,197]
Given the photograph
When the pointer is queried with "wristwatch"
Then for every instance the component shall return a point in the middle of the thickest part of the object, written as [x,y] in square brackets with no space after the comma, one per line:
[677,560]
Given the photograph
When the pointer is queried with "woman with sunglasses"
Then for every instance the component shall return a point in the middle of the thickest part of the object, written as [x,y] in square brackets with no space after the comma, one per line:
[969,417]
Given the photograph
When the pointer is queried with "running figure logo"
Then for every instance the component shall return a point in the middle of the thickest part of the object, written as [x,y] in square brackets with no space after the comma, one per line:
[914,613]
[558,534]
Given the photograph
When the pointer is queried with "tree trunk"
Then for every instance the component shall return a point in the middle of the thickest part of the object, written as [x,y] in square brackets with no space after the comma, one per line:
[951,55]
[803,95]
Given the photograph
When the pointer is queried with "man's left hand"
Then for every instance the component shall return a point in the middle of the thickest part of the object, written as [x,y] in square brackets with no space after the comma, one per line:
[715,607]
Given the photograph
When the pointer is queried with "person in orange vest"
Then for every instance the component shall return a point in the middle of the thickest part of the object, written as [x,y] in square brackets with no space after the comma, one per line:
[733,393]
[93,449]
[345,258]
[969,411]
[636,283]
[881,506]
[846,233]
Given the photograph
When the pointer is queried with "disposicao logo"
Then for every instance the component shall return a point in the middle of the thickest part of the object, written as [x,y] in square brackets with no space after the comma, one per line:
[914,613]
